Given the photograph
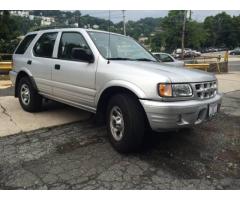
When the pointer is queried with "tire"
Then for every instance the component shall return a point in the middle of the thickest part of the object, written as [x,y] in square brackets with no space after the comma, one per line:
[129,137]
[28,97]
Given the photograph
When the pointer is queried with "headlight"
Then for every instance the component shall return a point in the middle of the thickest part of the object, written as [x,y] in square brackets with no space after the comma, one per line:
[174,90]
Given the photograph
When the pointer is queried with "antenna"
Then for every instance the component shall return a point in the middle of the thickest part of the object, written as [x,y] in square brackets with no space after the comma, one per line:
[124,22]
[108,51]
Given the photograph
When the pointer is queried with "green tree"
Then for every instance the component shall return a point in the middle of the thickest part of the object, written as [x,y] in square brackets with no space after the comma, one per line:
[172,27]
[195,36]
[222,30]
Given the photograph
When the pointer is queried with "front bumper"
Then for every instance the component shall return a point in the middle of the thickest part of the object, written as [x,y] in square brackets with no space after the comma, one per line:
[173,115]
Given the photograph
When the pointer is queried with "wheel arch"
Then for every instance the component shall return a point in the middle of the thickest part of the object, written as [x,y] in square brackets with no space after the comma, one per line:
[110,91]
[21,74]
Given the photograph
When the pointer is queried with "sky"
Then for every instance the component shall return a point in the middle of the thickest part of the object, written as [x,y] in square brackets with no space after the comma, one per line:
[116,15]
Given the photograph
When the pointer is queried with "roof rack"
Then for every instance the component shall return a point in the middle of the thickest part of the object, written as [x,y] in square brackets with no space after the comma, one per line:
[52,27]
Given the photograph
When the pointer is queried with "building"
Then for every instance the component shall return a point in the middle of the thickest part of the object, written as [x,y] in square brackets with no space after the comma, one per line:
[20,13]
[143,39]
[95,26]
[31,17]
[46,21]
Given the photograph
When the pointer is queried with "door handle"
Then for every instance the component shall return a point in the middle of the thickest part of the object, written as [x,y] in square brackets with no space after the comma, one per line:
[57,67]
[29,62]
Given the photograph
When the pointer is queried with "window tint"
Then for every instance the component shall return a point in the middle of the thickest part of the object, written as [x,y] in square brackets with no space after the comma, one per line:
[68,42]
[45,44]
[25,44]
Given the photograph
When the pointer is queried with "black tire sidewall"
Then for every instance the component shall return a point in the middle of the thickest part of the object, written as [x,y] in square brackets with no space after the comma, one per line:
[134,123]
[35,99]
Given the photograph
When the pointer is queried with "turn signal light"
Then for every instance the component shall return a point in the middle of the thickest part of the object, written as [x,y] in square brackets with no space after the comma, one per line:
[165,90]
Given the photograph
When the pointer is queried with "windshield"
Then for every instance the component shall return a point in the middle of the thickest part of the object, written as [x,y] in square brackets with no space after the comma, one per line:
[120,48]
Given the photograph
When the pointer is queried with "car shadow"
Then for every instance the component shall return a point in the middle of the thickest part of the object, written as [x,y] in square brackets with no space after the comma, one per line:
[53,105]
[178,152]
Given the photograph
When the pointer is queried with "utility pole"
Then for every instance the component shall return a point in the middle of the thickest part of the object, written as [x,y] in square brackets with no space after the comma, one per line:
[183,31]
[190,15]
[124,23]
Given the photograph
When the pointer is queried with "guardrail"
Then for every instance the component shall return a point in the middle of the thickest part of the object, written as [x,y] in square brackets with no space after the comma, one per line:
[5,63]
[203,66]
[209,63]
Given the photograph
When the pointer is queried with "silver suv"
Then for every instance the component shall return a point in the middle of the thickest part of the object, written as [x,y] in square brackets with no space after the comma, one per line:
[116,78]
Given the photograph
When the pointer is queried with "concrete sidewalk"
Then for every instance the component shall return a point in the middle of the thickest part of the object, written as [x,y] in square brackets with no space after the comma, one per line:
[5,84]
[228,82]
[14,120]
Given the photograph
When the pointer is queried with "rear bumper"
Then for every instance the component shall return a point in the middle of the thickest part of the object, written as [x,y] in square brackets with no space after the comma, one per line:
[174,115]
[13,76]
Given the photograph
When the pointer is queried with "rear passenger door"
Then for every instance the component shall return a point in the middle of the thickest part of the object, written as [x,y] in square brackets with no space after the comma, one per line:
[74,80]
[42,62]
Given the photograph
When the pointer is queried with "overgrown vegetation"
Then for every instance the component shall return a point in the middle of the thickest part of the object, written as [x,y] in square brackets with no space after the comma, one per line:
[221,30]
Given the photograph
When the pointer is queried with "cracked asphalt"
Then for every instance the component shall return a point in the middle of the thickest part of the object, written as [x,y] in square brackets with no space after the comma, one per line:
[79,156]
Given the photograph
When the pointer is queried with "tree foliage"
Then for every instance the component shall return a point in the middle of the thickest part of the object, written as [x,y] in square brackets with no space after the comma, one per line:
[221,30]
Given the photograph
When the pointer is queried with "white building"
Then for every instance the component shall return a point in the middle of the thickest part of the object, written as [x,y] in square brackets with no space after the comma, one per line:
[21,13]
[31,17]
[95,26]
[46,21]
[142,39]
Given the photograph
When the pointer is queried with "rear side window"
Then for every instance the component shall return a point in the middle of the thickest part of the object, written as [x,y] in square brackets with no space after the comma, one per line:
[45,44]
[25,44]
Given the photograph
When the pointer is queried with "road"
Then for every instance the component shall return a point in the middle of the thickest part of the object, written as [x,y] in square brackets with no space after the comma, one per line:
[79,156]
[234,66]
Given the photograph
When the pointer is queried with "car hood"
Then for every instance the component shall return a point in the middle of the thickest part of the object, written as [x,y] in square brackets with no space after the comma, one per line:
[174,74]
[175,63]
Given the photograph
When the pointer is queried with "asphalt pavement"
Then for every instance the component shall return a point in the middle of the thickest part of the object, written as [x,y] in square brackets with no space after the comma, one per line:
[234,66]
[79,156]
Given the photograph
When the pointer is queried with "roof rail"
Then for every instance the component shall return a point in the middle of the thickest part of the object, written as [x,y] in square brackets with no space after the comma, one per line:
[52,27]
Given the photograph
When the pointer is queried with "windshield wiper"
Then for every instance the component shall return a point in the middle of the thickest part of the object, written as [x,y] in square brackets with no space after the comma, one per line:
[119,58]
[138,59]
[145,59]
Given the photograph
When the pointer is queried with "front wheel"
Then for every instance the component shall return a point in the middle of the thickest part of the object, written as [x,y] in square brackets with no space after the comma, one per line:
[125,122]
[28,97]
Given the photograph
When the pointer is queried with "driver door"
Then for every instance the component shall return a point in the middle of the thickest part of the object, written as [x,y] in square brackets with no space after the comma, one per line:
[74,79]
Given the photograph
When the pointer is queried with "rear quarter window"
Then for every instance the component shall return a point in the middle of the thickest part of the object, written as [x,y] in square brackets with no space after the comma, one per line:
[25,44]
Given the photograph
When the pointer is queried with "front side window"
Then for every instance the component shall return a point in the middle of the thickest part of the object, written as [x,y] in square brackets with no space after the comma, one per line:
[71,41]
[113,46]
[44,46]
[25,44]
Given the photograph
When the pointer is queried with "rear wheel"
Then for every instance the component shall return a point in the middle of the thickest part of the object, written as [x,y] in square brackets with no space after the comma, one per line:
[28,97]
[125,122]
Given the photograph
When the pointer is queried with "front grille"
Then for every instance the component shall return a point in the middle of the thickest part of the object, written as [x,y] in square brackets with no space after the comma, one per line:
[205,90]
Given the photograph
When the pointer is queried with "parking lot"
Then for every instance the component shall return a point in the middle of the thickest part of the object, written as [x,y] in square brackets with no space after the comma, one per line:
[79,156]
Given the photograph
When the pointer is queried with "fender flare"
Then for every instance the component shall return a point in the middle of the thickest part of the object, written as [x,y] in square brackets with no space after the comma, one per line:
[29,74]
[120,83]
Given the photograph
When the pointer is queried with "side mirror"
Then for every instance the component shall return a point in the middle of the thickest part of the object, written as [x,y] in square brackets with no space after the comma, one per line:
[82,55]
